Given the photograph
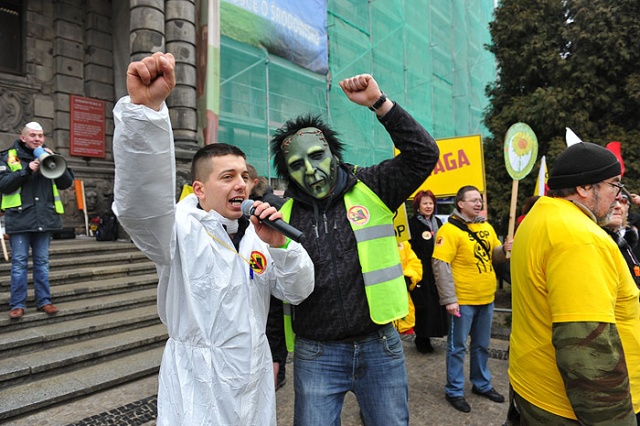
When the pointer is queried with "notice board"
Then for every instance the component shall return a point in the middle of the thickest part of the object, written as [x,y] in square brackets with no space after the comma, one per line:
[86,127]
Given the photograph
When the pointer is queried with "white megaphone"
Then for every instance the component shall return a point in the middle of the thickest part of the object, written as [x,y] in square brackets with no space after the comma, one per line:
[52,166]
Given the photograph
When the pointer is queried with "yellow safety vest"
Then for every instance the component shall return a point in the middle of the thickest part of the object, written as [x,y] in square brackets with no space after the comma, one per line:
[14,199]
[372,224]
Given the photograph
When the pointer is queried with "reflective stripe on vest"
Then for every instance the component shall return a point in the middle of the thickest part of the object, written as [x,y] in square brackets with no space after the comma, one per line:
[372,223]
[57,202]
[14,199]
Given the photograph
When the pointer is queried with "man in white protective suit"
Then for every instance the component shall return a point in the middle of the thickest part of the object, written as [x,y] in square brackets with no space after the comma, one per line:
[217,269]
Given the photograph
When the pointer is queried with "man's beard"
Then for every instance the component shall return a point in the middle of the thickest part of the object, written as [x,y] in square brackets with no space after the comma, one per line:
[602,220]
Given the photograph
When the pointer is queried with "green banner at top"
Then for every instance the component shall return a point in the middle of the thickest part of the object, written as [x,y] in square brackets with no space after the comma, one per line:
[291,29]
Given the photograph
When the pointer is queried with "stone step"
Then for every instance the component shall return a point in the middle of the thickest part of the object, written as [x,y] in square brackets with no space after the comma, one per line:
[29,366]
[70,248]
[100,272]
[106,334]
[82,289]
[88,273]
[44,336]
[86,258]
[38,394]
[81,308]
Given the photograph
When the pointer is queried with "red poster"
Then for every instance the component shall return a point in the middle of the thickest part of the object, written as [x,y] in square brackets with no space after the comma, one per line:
[86,127]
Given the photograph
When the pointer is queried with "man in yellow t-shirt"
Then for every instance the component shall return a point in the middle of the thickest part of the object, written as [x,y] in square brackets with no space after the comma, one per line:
[462,266]
[575,342]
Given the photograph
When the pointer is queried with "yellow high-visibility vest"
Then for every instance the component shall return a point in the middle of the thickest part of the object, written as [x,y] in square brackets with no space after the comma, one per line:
[14,199]
[372,224]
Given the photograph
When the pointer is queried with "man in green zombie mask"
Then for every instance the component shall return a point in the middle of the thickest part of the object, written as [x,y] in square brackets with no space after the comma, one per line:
[310,163]
[345,339]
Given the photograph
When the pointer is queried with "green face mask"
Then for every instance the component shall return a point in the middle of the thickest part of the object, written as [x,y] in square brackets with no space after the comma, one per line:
[310,163]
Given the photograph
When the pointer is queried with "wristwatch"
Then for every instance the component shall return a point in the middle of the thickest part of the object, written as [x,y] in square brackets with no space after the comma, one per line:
[379,102]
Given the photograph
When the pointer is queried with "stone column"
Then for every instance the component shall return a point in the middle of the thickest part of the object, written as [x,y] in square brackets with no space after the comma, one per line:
[147,28]
[180,33]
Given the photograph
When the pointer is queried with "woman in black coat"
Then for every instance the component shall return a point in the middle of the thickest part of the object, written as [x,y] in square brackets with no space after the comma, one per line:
[625,236]
[431,317]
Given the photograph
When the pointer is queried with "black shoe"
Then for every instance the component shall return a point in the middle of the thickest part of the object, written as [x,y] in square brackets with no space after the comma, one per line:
[281,375]
[458,402]
[491,394]
[281,383]
[423,345]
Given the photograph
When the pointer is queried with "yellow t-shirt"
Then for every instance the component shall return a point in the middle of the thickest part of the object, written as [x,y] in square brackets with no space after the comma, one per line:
[471,267]
[565,268]
[412,268]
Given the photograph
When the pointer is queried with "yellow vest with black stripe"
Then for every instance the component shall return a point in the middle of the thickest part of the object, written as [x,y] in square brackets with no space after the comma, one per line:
[372,224]
[14,199]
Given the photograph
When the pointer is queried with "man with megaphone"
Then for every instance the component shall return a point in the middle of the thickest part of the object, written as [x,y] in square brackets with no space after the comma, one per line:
[30,177]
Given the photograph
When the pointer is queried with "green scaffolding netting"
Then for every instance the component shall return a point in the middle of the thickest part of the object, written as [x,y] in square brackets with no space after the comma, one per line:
[427,55]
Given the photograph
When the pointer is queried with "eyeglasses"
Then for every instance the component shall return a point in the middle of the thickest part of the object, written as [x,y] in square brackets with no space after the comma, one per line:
[624,200]
[618,185]
[474,201]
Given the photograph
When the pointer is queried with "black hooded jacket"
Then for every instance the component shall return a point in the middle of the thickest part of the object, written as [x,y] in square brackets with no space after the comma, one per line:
[37,212]
[626,245]
[337,309]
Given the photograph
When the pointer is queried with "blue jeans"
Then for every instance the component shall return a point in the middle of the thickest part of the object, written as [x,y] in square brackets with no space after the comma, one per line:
[474,320]
[372,368]
[20,243]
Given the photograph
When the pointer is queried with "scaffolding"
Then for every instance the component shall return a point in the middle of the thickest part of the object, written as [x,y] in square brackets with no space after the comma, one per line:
[428,55]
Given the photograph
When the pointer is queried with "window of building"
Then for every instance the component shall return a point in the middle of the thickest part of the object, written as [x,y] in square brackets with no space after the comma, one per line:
[12,36]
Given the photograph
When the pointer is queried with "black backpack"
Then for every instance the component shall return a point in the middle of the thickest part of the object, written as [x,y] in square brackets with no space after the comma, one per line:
[107,227]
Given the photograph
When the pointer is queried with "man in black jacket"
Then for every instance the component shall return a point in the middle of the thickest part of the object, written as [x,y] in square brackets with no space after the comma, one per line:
[344,337]
[259,189]
[33,210]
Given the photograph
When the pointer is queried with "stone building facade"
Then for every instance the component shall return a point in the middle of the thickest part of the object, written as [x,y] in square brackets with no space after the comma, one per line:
[77,48]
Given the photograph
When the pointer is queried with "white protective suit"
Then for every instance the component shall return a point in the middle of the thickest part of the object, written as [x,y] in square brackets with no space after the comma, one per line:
[216,368]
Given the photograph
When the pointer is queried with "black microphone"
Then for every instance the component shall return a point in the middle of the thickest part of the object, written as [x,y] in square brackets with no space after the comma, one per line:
[279,225]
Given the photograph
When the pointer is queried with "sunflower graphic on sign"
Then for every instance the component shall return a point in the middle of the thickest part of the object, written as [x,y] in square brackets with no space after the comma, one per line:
[520,150]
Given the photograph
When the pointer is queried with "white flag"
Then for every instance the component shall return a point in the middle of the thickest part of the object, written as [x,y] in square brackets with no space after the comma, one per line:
[541,182]
[571,137]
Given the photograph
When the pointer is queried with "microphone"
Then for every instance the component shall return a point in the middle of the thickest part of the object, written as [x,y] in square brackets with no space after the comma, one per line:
[279,225]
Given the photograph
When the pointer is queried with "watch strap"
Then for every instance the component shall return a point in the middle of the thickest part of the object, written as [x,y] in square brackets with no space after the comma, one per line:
[377,104]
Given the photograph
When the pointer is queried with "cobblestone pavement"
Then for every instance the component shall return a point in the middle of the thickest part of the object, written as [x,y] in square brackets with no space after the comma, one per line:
[135,404]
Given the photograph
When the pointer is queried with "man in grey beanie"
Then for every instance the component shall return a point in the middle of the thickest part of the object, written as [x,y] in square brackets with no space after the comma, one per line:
[575,342]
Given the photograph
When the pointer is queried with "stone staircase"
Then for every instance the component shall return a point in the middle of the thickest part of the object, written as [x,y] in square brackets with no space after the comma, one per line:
[107,331]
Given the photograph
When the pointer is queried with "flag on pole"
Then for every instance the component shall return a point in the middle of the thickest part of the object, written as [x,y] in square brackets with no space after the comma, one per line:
[79,187]
[82,202]
[541,182]
[616,148]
